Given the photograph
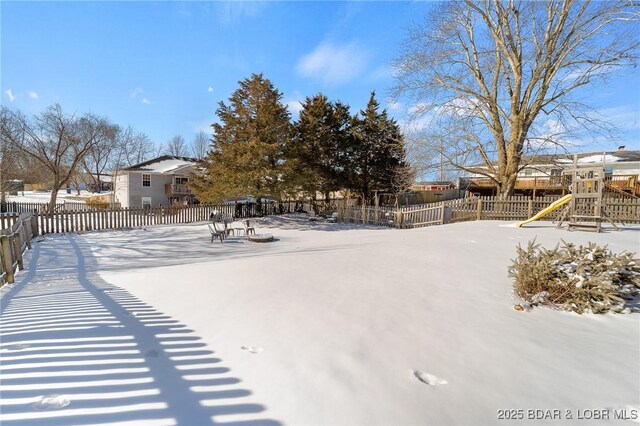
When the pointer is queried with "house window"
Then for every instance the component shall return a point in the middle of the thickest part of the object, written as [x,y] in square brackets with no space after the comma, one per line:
[528,172]
[146,179]
[146,203]
[181,180]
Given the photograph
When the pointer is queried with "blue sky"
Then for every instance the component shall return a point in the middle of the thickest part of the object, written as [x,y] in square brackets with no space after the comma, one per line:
[162,67]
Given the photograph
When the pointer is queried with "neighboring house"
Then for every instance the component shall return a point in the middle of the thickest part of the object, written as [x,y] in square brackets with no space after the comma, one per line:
[85,182]
[161,181]
[546,174]
[433,186]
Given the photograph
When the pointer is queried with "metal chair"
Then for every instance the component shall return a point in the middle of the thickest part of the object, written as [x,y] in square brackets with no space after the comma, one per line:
[248,229]
[215,233]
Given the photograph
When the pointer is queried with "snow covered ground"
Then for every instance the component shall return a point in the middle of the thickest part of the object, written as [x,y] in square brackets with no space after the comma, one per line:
[45,196]
[330,324]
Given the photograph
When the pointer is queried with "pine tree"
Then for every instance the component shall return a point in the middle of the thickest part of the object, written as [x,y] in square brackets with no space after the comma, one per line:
[320,138]
[249,143]
[377,151]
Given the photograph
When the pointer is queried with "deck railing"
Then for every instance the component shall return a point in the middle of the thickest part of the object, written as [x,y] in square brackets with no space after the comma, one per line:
[628,183]
[176,189]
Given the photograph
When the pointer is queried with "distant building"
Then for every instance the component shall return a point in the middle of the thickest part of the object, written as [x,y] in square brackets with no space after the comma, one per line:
[161,181]
[544,174]
[433,186]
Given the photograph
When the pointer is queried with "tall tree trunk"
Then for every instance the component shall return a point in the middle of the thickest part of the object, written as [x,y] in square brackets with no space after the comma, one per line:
[54,198]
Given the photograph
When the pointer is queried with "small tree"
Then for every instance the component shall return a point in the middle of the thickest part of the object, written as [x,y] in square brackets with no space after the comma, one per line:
[402,178]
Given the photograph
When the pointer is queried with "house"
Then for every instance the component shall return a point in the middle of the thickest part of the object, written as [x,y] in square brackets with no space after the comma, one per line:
[546,174]
[433,186]
[162,181]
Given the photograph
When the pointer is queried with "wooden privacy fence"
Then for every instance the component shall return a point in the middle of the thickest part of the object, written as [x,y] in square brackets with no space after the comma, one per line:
[13,242]
[24,207]
[476,208]
[64,221]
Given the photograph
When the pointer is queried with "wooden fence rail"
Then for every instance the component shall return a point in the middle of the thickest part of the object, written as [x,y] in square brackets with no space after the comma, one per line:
[13,242]
[477,208]
[64,221]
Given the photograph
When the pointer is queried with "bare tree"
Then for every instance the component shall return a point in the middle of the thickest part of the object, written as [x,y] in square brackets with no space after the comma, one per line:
[403,177]
[497,75]
[100,157]
[53,140]
[177,146]
[200,145]
[135,148]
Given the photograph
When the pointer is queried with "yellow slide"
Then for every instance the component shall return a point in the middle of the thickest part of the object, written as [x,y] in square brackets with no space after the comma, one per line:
[553,206]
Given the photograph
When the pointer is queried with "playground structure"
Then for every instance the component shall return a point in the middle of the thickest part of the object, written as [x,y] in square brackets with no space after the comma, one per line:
[552,207]
[584,205]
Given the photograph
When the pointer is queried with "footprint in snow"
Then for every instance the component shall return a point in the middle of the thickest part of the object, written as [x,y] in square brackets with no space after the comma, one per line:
[428,379]
[152,353]
[50,402]
[17,347]
[252,349]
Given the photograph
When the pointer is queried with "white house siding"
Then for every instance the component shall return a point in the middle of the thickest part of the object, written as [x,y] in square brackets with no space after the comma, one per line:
[156,191]
[121,189]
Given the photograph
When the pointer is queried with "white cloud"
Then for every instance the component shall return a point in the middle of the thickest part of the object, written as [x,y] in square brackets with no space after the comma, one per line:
[9,94]
[135,92]
[145,101]
[334,64]
[395,106]
[294,106]
[210,89]
[233,11]
[34,95]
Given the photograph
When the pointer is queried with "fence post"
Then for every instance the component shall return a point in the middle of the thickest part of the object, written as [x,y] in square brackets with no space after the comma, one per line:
[27,226]
[7,257]
[442,214]
[399,219]
[479,212]
[530,208]
[34,226]
[17,246]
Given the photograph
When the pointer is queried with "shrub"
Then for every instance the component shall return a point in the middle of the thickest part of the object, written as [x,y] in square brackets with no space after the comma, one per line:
[97,203]
[579,279]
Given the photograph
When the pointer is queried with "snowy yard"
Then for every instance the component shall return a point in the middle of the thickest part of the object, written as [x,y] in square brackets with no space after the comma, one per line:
[330,324]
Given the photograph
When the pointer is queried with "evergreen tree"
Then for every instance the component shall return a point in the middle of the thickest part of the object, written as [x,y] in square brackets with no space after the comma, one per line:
[249,142]
[320,137]
[376,151]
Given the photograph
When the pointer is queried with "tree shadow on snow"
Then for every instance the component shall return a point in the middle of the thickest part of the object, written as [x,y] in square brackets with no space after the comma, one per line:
[75,350]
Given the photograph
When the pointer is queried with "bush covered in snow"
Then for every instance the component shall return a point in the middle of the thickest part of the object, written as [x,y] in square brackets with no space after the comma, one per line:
[579,279]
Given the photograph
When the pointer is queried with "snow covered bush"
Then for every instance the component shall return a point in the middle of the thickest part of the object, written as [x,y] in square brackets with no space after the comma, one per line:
[579,279]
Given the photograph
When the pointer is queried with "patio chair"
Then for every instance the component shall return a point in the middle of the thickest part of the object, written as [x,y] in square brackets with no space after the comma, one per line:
[312,216]
[215,233]
[333,218]
[248,229]
[227,229]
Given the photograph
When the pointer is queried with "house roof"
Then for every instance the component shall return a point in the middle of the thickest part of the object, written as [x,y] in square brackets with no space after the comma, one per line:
[435,183]
[585,158]
[164,164]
